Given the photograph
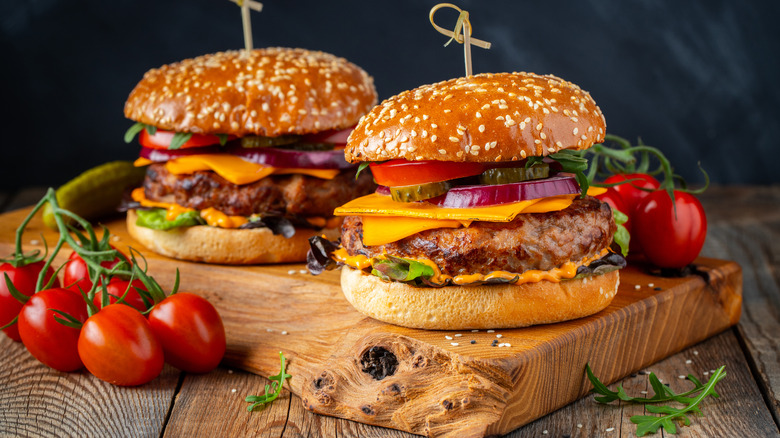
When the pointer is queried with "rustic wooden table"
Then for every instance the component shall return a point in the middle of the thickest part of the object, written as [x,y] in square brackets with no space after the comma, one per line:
[744,226]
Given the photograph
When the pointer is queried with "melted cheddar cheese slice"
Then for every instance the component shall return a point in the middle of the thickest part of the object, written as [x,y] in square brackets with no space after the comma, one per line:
[234,169]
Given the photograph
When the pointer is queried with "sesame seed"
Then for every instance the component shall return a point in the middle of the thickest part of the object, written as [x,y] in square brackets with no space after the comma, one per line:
[230,371]
[481,128]
[284,332]
[539,126]
[491,331]
[574,132]
[475,331]
[544,432]
[499,335]
[449,338]
[681,377]
[688,362]
[303,271]
[695,352]
[643,392]
[650,284]
[454,139]
[233,390]
[35,242]
[579,425]
[442,151]
[434,126]
[609,429]
[291,271]
[433,138]
[458,335]
[454,344]
[637,287]
[479,115]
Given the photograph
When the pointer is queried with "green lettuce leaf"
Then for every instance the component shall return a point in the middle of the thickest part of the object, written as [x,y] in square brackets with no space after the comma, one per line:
[621,235]
[155,219]
[400,269]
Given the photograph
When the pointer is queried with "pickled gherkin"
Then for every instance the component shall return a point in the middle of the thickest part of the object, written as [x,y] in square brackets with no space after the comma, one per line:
[256,141]
[419,192]
[507,175]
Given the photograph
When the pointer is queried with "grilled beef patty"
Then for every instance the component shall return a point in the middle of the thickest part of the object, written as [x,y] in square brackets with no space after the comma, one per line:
[286,195]
[540,241]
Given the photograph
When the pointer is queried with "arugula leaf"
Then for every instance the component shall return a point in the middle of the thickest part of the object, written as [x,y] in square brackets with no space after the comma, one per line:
[400,269]
[156,220]
[223,138]
[273,390]
[570,161]
[133,131]
[138,127]
[662,393]
[179,139]
[361,167]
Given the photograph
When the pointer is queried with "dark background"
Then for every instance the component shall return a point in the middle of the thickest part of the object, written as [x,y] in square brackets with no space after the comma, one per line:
[698,79]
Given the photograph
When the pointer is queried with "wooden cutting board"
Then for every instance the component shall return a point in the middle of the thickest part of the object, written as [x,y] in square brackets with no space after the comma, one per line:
[439,383]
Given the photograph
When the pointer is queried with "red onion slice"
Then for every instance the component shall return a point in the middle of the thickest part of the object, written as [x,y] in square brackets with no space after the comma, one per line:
[333,159]
[282,158]
[486,195]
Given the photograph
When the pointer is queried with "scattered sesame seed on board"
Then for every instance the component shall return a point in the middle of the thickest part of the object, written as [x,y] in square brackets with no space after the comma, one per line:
[457,335]
[491,331]
[454,344]
[688,361]
[609,429]
[499,335]
[291,271]
[233,390]
[449,338]
[35,242]
[284,332]
[637,287]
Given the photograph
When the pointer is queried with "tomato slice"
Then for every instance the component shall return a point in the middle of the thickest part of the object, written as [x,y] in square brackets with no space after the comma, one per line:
[396,173]
[162,139]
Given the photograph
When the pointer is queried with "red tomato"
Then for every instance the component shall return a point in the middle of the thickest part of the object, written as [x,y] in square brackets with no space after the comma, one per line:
[23,278]
[397,173]
[162,139]
[76,275]
[52,343]
[666,241]
[116,289]
[332,136]
[191,332]
[613,198]
[117,345]
[630,192]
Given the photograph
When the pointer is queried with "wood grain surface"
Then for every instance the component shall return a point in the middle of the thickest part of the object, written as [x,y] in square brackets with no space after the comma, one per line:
[206,404]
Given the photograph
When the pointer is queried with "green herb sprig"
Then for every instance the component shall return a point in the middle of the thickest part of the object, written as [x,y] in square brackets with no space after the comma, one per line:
[273,390]
[662,393]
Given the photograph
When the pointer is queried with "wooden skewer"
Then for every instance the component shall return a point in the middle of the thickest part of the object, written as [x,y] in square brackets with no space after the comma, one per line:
[461,34]
[246,5]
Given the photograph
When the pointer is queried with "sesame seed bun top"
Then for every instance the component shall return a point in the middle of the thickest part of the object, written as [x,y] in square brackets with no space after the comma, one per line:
[486,117]
[268,92]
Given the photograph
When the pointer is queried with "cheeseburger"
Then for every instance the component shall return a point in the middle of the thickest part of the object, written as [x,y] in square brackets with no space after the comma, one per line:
[477,221]
[245,153]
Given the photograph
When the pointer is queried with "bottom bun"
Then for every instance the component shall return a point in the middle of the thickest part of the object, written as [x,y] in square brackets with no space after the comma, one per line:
[202,243]
[477,307]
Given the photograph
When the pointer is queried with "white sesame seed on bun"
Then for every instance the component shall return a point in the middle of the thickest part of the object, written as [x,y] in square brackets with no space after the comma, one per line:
[268,92]
[481,118]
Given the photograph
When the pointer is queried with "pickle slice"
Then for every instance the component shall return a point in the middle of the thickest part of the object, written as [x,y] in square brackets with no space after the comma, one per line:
[507,175]
[419,192]
[256,141]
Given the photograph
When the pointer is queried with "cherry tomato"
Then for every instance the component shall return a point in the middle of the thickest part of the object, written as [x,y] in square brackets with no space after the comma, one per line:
[613,198]
[162,139]
[668,241]
[118,346]
[52,343]
[23,278]
[397,173]
[76,275]
[191,332]
[332,136]
[630,192]
[116,288]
